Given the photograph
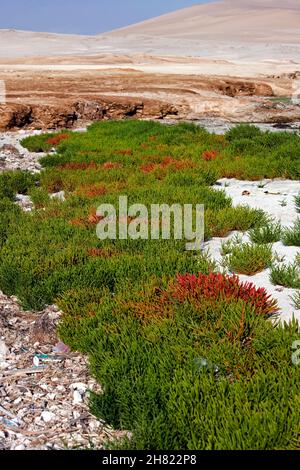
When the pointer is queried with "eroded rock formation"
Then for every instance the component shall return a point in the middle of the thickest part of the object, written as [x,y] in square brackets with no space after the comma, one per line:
[70,114]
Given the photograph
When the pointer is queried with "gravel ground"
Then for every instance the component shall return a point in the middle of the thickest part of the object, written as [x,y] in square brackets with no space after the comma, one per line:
[44,388]
[15,157]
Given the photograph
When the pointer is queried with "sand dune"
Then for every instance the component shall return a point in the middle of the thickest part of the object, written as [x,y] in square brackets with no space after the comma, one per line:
[235,30]
[230,20]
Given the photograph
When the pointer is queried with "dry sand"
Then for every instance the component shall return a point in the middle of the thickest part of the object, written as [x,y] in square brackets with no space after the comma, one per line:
[244,30]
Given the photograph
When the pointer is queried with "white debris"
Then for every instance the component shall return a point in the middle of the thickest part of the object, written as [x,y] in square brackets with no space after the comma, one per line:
[47,416]
[60,196]
[37,406]
[3,349]
[81,387]
[20,447]
[36,361]
[77,398]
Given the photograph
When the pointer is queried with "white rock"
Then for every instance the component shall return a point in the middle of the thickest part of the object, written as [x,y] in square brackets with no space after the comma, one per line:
[51,396]
[3,364]
[60,196]
[36,361]
[3,349]
[76,414]
[20,447]
[38,421]
[77,398]
[44,387]
[93,425]
[81,387]
[47,416]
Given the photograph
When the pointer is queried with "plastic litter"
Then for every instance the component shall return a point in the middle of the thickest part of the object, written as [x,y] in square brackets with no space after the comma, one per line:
[46,358]
[202,364]
[61,348]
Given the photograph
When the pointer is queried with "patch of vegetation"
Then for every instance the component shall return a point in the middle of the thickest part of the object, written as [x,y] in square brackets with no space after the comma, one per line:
[296,300]
[287,275]
[245,152]
[291,236]
[44,142]
[12,182]
[179,360]
[270,232]
[297,203]
[186,361]
[281,99]
[249,258]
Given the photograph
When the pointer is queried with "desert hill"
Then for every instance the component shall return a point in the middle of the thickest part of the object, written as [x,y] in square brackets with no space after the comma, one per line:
[230,20]
[247,30]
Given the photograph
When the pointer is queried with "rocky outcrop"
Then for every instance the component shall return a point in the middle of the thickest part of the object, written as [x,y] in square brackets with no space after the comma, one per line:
[15,116]
[290,76]
[71,114]
[235,88]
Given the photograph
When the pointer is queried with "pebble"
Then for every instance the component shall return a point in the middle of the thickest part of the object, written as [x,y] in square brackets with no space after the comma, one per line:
[81,387]
[36,361]
[47,416]
[3,349]
[77,398]
[51,396]
[20,447]
[59,196]
[17,401]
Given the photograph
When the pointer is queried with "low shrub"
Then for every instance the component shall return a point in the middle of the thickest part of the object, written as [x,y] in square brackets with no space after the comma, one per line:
[226,220]
[291,236]
[216,286]
[12,182]
[44,142]
[267,233]
[243,131]
[173,369]
[286,275]
[297,203]
[57,139]
[209,155]
[39,197]
[249,258]
[296,300]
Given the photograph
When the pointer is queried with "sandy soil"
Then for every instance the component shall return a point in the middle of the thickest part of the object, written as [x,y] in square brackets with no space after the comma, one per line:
[276,198]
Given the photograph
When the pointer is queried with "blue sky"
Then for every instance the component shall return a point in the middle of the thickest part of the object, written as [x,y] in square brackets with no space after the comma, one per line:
[82,16]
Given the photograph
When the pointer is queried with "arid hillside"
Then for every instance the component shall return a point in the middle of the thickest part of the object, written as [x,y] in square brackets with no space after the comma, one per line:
[227,29]
[230,20]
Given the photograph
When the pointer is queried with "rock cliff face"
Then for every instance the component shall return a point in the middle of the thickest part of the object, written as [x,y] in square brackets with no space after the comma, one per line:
[71,114]
[36,100]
